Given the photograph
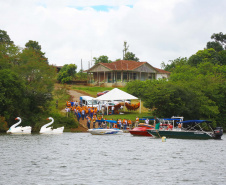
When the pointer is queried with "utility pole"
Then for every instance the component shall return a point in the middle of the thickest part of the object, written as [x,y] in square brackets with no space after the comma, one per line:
[81,66]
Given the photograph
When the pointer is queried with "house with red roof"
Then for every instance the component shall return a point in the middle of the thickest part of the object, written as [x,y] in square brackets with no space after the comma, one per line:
[120,72]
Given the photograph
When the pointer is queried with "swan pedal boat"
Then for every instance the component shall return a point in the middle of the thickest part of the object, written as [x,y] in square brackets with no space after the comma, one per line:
[19,130]
[104,131]
[48,130]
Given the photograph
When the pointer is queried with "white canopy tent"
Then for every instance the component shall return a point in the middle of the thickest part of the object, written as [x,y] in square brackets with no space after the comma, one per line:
[117,94]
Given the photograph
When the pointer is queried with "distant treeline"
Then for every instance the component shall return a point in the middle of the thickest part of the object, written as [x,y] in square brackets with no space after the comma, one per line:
[196,88]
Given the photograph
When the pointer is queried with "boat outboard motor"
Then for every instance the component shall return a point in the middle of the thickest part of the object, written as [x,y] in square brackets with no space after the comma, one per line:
[218,132]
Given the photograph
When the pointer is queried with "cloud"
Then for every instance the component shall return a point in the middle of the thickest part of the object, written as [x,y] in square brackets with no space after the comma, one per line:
[155,31]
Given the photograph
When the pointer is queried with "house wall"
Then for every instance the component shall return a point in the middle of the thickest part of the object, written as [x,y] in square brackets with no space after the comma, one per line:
[158,76]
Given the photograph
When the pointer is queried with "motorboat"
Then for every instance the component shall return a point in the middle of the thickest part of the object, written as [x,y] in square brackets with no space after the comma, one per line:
[190,129]
[19,130]
[141,130]
[104,131]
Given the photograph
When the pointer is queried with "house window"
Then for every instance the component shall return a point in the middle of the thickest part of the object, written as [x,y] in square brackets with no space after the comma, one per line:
[134,76]
[124,76]
[118,76]
[109,78]
[151,76]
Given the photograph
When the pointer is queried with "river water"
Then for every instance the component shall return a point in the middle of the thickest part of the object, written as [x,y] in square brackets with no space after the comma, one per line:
[82,158]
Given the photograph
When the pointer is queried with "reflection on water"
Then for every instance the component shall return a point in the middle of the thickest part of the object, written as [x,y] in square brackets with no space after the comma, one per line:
[82,158]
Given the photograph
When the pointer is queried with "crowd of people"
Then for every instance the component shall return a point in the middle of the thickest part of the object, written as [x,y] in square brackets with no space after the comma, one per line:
[90,114]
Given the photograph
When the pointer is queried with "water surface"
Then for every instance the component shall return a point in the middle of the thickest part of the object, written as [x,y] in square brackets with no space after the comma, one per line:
[82,158]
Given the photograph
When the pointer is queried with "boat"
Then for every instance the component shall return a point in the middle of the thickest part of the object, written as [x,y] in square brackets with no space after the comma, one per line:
[190,129]
[141,130]
[19,130]
[105,131]
[48,130]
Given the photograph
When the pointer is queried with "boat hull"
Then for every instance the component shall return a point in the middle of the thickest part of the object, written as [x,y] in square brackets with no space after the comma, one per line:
[140,133]
[100,131]
[181,134]
[141,130]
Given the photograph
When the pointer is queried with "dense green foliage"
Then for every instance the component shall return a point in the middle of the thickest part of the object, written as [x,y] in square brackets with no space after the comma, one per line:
[26,84]
[67,73]
[101,59]
[196,88]
[131,56]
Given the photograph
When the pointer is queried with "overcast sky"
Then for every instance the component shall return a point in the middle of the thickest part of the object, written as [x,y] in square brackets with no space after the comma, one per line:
[156,30]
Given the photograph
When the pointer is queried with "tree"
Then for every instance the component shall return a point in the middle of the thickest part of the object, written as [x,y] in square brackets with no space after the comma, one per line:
[38,78]
[12,94]
[220,37]
[102,59]
[173,63]
[81,75]
[206,55]
[67,73]
[33,45]
[131,56]
[215,45]
[126,48]
[4,38]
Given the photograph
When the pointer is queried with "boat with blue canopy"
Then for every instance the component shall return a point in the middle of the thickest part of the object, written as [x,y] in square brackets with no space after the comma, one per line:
[104,130]
[190,129]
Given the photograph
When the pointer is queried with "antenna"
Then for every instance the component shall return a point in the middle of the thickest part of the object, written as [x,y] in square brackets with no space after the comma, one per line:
[91,58]
[81,65]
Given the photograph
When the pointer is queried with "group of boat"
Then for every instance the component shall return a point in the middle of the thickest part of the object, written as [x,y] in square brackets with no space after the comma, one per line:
[173,127]
[45,129]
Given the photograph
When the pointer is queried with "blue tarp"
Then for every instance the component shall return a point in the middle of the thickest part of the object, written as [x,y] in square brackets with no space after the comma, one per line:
[109,121]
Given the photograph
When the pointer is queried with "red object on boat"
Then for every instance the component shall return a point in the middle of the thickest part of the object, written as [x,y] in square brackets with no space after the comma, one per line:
[141,130]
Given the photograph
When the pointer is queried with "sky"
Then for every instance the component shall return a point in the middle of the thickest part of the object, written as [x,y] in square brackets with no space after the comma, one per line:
[71,31]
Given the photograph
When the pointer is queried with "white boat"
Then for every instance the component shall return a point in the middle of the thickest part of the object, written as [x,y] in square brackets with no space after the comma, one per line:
[48,130]
[19,130]
[104,131]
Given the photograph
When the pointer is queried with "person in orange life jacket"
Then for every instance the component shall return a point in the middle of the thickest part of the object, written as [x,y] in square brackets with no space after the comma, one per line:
[130,124]
[87,112]
[94,121]
[124,124]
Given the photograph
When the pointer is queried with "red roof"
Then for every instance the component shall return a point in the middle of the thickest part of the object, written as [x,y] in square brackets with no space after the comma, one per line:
[123,65]
[161,71]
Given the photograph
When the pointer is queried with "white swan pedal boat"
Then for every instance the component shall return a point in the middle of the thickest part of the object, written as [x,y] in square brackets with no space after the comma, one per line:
[104,131]
[19,130]
[48,130]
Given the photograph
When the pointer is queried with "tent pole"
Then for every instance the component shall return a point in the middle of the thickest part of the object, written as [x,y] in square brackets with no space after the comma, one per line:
[140,106]
[124,105]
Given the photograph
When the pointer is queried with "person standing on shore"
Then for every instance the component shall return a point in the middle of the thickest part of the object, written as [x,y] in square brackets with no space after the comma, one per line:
[88,122]
[137,122]
[147,121]
[78,115]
